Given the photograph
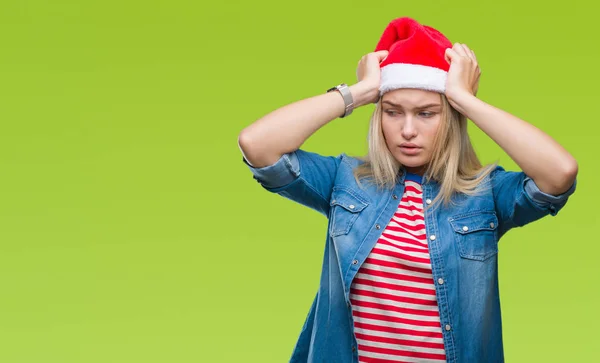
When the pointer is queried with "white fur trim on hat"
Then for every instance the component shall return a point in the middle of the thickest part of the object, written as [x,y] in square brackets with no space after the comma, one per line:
[400,75]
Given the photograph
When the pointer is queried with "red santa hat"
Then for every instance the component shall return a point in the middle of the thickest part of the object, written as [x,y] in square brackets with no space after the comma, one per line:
[416,57]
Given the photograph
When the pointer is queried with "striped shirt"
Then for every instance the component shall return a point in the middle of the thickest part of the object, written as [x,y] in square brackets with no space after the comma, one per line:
[396,317]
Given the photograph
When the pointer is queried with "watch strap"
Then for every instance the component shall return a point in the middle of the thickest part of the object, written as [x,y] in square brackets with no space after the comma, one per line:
[344,90]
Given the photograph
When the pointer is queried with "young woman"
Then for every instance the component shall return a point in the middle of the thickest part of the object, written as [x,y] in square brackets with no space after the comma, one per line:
[410,267]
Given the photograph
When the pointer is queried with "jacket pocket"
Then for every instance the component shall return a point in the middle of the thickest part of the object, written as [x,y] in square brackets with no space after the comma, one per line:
[476,234]
[345,209]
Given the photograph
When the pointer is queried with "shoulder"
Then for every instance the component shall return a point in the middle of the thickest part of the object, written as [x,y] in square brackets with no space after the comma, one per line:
[351,161]
[499,176]
[493,174]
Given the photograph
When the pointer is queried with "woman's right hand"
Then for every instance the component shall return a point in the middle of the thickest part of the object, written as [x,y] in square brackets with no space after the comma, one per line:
[368,73]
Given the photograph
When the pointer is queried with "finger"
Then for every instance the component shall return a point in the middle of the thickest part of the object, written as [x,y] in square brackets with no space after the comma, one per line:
[362,59]
[474,56]
[458,48]
[381,55]
[450,55]
[468,52]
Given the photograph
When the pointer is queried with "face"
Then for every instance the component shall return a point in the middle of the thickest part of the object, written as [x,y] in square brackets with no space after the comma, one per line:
[410,120]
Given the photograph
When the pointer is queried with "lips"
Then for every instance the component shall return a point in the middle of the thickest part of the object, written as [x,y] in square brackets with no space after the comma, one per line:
[408,144]
[409,148]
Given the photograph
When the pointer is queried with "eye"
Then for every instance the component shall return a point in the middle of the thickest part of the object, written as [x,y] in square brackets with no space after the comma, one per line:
[391,112]
[427,114]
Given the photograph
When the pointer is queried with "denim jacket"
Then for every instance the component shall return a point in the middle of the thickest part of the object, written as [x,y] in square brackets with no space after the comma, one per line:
[463,260]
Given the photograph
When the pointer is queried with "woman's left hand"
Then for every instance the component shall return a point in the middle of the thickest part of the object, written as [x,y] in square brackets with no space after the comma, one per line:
[464,73]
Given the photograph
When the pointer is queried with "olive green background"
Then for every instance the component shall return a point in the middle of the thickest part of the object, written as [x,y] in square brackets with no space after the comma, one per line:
[130,229]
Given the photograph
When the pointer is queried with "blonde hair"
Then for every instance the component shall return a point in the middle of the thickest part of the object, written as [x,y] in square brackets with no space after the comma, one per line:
[454,164]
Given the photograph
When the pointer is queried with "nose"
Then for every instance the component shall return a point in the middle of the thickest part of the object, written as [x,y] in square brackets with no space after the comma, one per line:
[409,131]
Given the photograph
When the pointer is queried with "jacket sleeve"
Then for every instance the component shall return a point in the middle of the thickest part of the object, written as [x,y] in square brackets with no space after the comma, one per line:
[520,201]
[302,176]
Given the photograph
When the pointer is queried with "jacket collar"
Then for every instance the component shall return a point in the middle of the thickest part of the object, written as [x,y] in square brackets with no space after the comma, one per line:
[402,177]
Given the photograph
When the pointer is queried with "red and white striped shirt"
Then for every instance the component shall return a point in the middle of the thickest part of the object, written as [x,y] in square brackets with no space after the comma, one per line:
[396,317]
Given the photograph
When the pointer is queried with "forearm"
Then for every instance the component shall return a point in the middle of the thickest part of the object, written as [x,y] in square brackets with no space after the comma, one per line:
[287,128]
[539,156]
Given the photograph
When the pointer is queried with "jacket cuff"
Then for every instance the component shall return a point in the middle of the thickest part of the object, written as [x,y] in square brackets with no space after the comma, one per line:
[282,172]
[545,200]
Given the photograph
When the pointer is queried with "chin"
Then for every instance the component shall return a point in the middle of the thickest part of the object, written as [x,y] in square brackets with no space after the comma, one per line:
[410,162]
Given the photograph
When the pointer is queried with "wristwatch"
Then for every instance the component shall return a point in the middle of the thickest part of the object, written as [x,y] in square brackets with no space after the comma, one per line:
[344,90]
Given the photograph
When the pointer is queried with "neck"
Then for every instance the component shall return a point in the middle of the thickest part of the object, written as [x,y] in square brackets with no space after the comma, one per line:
[419,170]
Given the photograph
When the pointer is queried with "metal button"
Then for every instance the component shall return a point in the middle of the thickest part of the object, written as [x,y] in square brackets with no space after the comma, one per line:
[333,201]
[465,228]
[428,201]
[432,237]
[440,281]
[492,225]
[353,348]
[351,206]
[448,327]
[395,196]
[377,226]
[354,262]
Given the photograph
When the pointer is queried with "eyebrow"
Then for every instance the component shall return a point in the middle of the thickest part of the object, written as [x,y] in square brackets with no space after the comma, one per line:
[419,107]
